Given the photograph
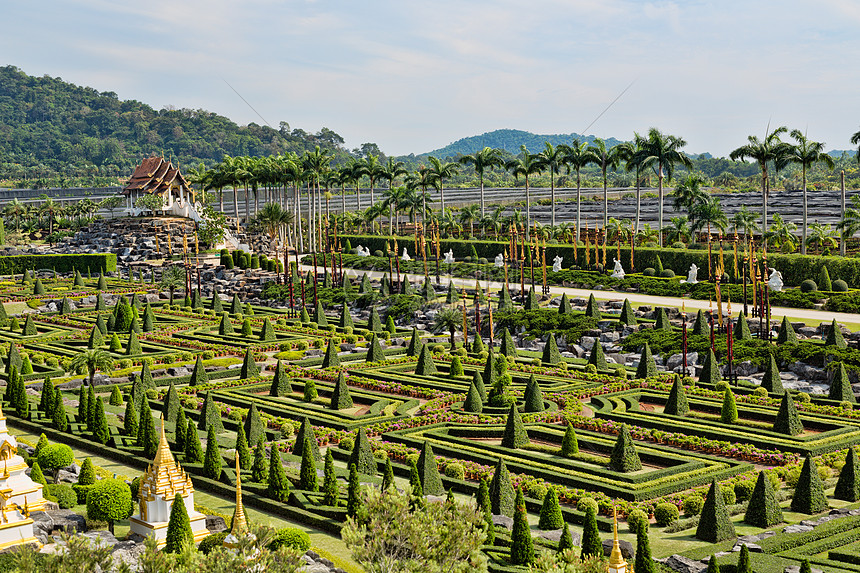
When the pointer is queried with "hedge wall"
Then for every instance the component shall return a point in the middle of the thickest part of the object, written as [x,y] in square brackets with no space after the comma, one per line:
[795,268]
[95,262]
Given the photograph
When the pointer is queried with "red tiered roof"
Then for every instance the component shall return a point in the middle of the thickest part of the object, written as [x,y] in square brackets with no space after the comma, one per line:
[155,175]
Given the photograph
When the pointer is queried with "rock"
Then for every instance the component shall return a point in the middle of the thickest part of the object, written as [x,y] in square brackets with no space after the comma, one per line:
[610,336]
[64,520]
[178,371]
[796,569]
[505,521]
[626,548]
[66,477]
[745,368]
[797,529]
[127,552]
[101,537]
[751,547]
[215,523]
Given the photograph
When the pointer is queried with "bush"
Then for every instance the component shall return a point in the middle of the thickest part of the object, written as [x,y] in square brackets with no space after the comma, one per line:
[346,444]
[808,286]
[455,470]
[693,504]
[649,272]
[728,494]
[667,273]
[635,518]
[212,541]
[840,286]
[666,513]
[743,490]
[290,537]
[64,494]
[586,503]
[678,245]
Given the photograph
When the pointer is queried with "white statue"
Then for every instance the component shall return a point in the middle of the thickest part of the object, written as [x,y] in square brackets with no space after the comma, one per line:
[556,264]
[500,260]
[405,256]
[618,272]
[774,282]
[449,257]
[362,252]
[691,275]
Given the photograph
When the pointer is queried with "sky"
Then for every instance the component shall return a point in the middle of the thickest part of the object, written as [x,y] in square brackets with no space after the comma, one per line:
[414,76]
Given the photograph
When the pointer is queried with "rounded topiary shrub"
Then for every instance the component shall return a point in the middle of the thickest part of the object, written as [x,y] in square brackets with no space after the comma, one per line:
[743,490]
[378,253]
[728,494]
[467,259]
[667,273]
[649,272]
[290,537]
[693,505]
[635,518]
[586,502]
[760,392]
[346,444]
[212,541]
[64,494]
[839,286]
[666,513]
[678,245]
[808,286]
[721,386]
[482,261]
[455,470]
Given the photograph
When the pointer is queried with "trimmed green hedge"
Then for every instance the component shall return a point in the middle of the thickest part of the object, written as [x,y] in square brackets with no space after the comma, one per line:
[95,262]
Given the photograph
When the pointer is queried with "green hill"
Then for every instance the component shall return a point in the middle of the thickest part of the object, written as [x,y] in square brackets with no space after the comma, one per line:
[52,127]
[510,140]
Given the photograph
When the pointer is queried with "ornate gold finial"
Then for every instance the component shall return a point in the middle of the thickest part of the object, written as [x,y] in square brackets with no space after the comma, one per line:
[26,511]
[5,468]
[163,456]
[617,563]
[240,525]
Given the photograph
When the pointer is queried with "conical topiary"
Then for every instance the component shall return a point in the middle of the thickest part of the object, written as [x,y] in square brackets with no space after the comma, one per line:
[508,348]
[319,315]
[824,280]
[428,471]
[848,485]
[212,460]
[331,359]
[742,329]
[787,422]
[700,325]
[533,397]
[362,454]
[647,367]
[763,509]
[502,491]
[592,309]
[374,350]
[661,321]
[840,386]
[473,401]
[786,333]
[729,410]
[809,495]
[591,545]
[834,337]
[569,443]
[172,403]
[225,327]
[564,306]
[478,381]
[515,435]
[425,366]
[676,403]
[551,355]
[345,317]
[597,357]
[210,415]
[249,367]
[267,333]
[710,373]
[374,324]
[628,316]
[415,344]
[532,302]
[715,525]
[255,429]
[771,380]
[624,458]
[505,300]
[550,512]
[305,436]
[179,532]
[522,545]
[198,375]
[340,397]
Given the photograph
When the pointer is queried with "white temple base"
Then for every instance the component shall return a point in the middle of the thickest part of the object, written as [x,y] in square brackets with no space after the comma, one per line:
[159,528]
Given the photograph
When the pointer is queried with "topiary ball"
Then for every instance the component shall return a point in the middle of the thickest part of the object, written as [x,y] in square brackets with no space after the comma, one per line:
[585,503]
[377,253]
[290,537]
[667,273]
[721,386]
[808,286]
[635,518]
[839,286]
[649,272]
[693,504]
[678,245]
[666,513]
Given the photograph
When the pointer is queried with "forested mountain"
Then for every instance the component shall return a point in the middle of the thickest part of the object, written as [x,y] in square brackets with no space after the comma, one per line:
[51,126]
[510,140]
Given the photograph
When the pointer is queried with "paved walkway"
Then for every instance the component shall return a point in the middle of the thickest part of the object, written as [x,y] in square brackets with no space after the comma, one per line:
[811,317]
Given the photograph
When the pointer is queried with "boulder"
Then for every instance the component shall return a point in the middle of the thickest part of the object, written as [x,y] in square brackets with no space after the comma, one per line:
[215,523]
[627,549]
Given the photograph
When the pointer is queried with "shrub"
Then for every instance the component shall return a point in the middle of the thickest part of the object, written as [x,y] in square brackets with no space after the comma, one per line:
[714,524]
[743,490]
[808,286]
[55,456]
[840,286]
[667,273]
[666,513]
[64,494]
[624,457]
[292,538]
[586,504]
[455,470]
[635,519]
[809,495]
[693,505]
[763,509]
[649,272]
[109,500]
[728,492]
[212,541]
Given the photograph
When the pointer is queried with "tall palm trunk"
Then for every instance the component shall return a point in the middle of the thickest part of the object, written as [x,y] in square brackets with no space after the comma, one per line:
[236,205]
[660,206]
[247,204]
[578,207]
[638,198]
[552,194]
[528,209]
[763,201]
[605,198]
[803,242]
[441,195]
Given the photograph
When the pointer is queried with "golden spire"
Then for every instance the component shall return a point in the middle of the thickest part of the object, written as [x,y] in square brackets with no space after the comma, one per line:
[240,525]
[26,511]
[616,559]
[163,456]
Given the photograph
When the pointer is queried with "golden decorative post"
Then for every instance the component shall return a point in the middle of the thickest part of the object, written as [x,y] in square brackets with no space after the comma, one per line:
[617,563]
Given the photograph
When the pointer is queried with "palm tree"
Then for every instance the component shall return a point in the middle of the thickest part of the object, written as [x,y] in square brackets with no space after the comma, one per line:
[483,160]
[633,157]
[391,171]
[689,193]
[374,171]
[855,140]
[16,210]
[526,164]
[679,231]
[450,320]
[806,153]
[172,278]
[781,235]
[439,171]
[93,360]
[763,151]
[552,159]
[708,213]
[745,221]
[646,235]
[576,156]
[357,170]
[606,159]
[468,216]
[662,153]
[850,223]
[50,209]
[821,236]
[422,178]
[392,198]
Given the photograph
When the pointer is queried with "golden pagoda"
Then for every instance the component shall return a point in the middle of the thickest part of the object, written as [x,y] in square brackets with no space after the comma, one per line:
[240,522]
[163,480]
[19,495]
[617,563]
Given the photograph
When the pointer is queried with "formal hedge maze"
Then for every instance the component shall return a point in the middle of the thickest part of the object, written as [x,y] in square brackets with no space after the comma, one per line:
[346,387]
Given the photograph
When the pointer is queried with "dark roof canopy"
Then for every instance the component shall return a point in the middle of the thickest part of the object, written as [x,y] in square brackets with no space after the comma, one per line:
[155,175]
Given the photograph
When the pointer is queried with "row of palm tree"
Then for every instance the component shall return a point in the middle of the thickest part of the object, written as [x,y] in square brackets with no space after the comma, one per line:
[50,214]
